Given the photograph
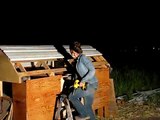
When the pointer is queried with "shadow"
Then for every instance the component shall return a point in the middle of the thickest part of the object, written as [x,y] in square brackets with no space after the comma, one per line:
[70,69]
[67,87]
[7,89]
[57,111]
[62,51]
[66,55]
[68,82]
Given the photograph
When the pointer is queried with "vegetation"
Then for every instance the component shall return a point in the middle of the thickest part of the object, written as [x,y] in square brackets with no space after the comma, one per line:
[154,100]
[129,80]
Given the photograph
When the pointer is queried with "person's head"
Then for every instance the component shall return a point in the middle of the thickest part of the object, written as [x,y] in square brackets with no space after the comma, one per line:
[75,49]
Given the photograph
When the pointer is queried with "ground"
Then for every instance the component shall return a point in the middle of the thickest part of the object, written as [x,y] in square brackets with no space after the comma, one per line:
[131,111]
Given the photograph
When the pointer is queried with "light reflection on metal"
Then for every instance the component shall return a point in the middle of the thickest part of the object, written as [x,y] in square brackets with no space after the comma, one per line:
[41,52]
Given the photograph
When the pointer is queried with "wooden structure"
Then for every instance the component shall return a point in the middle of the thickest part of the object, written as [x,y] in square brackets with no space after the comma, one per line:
[36,74]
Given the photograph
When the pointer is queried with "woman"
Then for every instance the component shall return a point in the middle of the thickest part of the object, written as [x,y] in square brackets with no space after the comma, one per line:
[86,74]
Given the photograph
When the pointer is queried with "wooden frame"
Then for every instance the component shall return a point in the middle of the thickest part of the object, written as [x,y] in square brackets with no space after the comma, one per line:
[36,74]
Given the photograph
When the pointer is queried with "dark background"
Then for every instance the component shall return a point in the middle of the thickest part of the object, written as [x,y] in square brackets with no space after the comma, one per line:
[126,35]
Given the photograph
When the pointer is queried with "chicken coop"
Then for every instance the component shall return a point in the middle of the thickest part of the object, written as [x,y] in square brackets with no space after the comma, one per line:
[36,74]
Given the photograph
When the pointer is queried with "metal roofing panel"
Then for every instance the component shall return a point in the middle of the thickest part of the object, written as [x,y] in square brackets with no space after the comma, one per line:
[41,52]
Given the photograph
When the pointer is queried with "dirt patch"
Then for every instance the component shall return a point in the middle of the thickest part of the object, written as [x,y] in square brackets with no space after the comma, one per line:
[131,111]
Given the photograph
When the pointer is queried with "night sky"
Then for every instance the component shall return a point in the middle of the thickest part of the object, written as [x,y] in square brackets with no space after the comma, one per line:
[121,33]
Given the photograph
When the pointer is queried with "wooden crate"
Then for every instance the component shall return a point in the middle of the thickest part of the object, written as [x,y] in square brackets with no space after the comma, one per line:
[35,99]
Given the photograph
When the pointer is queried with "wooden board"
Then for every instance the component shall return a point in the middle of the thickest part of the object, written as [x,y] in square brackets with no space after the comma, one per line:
[104,100]
[35,99]
[8,72]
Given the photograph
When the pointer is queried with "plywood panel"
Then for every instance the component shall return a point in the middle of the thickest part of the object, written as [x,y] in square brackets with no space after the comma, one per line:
[102,75]
[35,99]
[104,100]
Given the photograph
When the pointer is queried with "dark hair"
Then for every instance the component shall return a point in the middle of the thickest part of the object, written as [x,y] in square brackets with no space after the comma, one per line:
[76,46]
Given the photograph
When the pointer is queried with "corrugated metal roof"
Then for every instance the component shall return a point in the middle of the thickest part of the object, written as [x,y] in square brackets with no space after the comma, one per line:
[41,52]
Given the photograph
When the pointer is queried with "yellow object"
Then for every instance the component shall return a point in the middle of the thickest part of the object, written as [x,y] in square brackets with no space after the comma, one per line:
[84,87]
[76,84]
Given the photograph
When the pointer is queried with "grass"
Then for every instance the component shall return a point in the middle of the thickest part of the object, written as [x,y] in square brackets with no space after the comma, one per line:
[154,100]
[128,80]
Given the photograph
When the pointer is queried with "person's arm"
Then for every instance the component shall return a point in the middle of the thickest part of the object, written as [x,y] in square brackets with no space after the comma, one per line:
[91,69]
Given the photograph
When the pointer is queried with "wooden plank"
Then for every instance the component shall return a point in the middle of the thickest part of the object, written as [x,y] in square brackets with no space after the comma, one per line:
[41,72]
[97,58]
[112,90]
[35,99]
[99,63]
[102,58]
[41,97]
[44,64]
[58,70]
[19,65]
[104,96]
[34,73]
[100,66]
[47,67]
[113,105]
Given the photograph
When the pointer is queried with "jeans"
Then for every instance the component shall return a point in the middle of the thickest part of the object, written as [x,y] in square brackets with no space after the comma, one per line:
[88,95]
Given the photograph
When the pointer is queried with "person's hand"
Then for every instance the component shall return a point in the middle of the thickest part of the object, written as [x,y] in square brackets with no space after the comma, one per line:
[81,84]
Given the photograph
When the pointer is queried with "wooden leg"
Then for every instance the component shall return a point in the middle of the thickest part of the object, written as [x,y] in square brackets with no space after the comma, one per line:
[58,108]
[68,109]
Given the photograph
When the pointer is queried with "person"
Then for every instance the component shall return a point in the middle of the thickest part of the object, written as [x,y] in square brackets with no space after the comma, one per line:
[85,72]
